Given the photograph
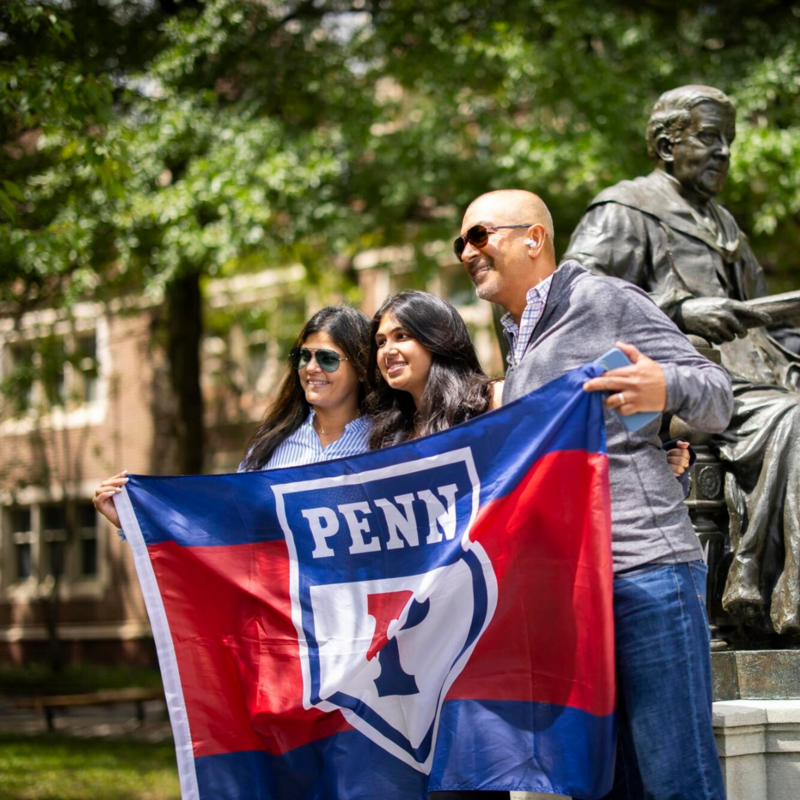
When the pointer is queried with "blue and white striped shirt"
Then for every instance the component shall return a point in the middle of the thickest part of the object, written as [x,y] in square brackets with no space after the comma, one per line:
[304,446]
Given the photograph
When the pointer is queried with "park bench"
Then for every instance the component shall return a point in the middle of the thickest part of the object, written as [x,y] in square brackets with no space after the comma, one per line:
[49,704]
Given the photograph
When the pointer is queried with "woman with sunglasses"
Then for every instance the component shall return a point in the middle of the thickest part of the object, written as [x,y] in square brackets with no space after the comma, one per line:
[317,415]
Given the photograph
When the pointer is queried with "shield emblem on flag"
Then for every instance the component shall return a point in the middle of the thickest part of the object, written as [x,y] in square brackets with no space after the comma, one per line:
[389,595]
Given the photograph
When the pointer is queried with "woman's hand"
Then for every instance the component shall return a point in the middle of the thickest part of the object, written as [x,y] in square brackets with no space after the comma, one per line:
[497,395]
[103,499]
[678,458]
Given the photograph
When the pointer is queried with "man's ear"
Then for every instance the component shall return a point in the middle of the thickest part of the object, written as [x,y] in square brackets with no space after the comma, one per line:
[664,147]
[535,238]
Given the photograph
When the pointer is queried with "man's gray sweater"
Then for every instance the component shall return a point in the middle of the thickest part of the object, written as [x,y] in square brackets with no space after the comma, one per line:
[584,316]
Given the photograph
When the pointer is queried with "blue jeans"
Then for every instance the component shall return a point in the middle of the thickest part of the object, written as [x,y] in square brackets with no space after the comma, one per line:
[665,746]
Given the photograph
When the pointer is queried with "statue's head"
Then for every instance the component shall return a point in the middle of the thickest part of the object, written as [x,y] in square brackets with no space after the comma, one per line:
[689,134]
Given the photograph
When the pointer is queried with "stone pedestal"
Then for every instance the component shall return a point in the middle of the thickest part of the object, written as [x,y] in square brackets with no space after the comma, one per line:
[537,796]
[756,675]
[759,748]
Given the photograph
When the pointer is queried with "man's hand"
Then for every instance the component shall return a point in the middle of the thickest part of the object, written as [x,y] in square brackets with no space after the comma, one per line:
[719,319]
[639,387]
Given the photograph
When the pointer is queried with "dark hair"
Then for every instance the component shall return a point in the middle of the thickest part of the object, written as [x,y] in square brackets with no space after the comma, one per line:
[457,388]
[349,329]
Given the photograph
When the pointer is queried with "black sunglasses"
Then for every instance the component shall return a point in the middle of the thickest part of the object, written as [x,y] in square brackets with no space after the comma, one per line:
[478,236]
[328,360]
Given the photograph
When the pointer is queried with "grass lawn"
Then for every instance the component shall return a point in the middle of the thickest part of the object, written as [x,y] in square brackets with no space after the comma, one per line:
[56,767]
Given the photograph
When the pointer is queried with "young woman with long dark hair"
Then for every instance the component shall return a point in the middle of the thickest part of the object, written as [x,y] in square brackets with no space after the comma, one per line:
[423,371]
[424,377]
[317,415]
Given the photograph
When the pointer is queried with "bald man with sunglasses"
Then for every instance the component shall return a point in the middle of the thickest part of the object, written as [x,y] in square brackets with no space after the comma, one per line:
[557,318]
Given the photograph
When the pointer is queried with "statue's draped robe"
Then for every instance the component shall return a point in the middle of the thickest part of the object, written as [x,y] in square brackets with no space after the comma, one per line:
[645,232]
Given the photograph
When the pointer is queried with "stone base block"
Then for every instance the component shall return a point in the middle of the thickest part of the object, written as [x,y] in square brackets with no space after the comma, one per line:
[537,796]
[759,748]
[756,674]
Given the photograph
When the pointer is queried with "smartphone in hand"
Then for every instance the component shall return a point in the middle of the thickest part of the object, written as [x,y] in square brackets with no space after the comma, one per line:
[614,359]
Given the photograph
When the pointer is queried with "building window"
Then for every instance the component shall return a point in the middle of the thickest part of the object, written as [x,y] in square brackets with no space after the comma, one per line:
[87,540]
[85,367]
[22,539]
[53,371]
[50,357]
[52,540]
[54,535]
[19,375]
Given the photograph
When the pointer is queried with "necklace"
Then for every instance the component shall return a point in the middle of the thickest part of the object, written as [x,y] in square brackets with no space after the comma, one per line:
[322,430]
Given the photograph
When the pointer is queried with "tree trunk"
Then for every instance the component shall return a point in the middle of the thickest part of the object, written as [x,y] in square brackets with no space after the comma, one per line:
[51,612]
[184,333]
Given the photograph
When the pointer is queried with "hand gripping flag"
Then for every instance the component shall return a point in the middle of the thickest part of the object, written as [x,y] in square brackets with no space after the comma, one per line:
[433,616]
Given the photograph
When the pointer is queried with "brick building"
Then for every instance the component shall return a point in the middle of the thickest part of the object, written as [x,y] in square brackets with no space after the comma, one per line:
[55,556]
[107,406]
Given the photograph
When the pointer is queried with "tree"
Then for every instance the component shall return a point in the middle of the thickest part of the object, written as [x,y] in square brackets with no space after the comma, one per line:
[183,140]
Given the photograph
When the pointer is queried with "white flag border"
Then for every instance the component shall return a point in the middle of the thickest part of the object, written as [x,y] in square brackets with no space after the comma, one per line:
[167,660]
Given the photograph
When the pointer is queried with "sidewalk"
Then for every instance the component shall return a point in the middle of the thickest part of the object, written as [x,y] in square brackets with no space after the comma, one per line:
[111,721]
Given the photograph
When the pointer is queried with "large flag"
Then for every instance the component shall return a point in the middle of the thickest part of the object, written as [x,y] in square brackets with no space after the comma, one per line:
[433,616]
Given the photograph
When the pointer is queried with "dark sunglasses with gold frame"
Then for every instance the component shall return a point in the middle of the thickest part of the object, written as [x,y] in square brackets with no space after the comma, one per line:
[478,236]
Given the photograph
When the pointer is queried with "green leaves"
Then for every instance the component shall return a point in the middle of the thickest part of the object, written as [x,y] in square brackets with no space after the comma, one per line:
[144,146]
[241,134]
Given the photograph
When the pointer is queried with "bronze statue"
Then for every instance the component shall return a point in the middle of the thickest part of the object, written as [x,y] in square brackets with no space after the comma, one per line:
[665,233]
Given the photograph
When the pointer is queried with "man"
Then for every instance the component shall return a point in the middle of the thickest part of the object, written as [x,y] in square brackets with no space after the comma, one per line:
[666,234]
[557,320]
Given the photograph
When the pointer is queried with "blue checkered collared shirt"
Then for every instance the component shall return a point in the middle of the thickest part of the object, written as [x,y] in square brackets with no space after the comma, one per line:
[519,336]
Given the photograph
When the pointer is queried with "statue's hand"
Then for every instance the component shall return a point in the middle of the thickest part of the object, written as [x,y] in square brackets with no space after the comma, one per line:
[719,319]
